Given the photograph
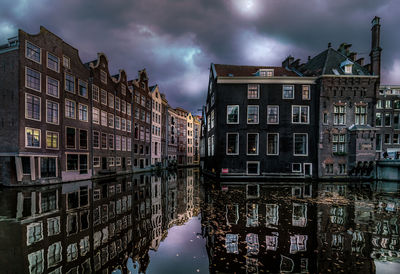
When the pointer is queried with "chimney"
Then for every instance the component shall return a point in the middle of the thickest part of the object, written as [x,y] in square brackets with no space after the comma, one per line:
[360,61]
[375,54]
[353,56]
[287,62]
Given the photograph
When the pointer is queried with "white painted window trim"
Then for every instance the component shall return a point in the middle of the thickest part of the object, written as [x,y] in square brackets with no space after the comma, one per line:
[58,87]
[273,154]
[238,143]
[40,52]
[58,140]
[40,107]
[247,144]
[47,62]
[252,162]
[40,138]
[308,114]
[26,79]
[272,106]
[294,147]
[227,121]
[283,92]
[258,115]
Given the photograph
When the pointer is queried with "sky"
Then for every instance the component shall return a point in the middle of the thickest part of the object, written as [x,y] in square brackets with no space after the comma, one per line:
[177,40]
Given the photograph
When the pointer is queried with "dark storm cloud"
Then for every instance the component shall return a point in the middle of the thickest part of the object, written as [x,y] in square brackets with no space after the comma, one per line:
[177,40]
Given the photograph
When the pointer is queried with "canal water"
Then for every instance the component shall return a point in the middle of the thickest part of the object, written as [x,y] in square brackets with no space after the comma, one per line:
[180,222]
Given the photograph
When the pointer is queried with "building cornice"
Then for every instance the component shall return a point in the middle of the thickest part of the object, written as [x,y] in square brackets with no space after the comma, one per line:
[267,80]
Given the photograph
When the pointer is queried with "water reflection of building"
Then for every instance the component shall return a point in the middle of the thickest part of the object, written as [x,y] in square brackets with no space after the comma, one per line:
[85,227]
[254,226]
[338,227]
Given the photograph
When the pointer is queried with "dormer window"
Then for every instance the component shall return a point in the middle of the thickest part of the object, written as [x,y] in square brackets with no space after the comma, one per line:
[347,66]
[348,69]
[266,72]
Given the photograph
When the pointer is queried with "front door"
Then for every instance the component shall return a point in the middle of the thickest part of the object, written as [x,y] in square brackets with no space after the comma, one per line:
[307,169]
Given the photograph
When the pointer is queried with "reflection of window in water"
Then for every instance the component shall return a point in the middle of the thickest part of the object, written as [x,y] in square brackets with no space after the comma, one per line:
[72,252]
[72,224]
[271,242]
[252,244]
[252,215]
[97,261]
[104,235]
[252,191]
[287,264]
[53,226]
[48,201]
[251,265]
[36,262]
[113,250]
[104,255]
[304,265]
[337,241]
[272,215]
[296,191]
[299,215]
[84,245]
[357,241]
[96,239]
[96,216]
[298,243]
[54,254]
[34,232]
[85,267]
[231,243]
[337,214]
[232,214]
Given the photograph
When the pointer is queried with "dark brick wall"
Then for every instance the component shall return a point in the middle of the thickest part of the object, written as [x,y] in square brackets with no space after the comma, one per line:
[9,96]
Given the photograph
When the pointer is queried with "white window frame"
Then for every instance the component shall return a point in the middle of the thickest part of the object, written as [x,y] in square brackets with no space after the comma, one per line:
[68,63]
[300,108]
[294,147]
[26,79]
[58,140]
[258,91]
[227,114]
[94,110]
[272,106]
[58,87]
[65,109]
[309,92]
[258,114]
[79,113]
[40,52]
[238,142]
[40,138]
[253,162]
[273,133]
[283,92]
[247,144]
[47,63]
[40,108]
[58,112]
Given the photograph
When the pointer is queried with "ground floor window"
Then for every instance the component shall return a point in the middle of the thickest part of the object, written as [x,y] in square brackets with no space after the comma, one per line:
[48,167]
[342,168]
[329,168]
[296,167]
[378,142]
[77,162]
[252,143]
[253,168]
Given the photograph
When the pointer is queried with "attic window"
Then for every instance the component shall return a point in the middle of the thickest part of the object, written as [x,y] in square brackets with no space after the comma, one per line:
[266,72]
[347,66]
[348,69]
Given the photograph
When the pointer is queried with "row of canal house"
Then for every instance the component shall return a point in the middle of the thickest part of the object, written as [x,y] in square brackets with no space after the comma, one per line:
[315,119]
[65,120]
